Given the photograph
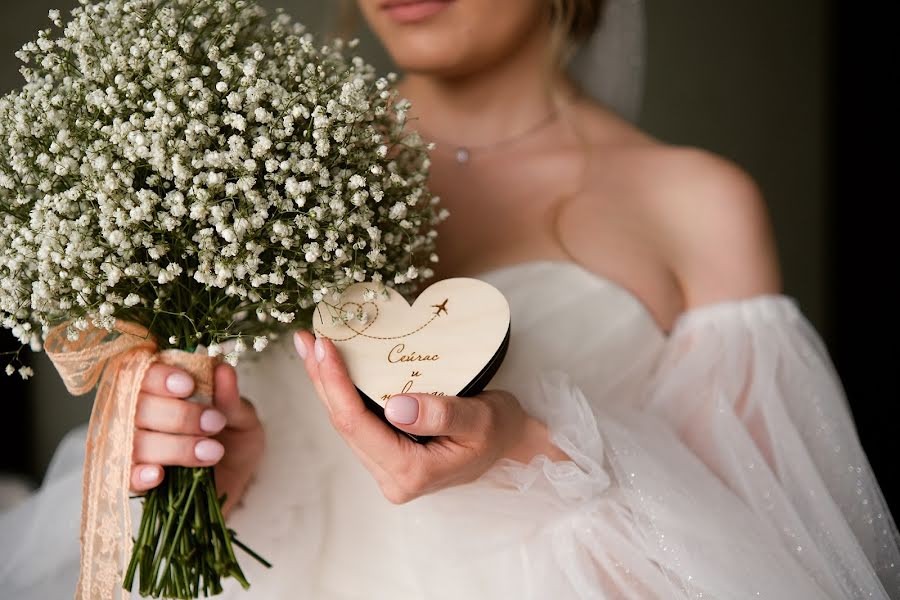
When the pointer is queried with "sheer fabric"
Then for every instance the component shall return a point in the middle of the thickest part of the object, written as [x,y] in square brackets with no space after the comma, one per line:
[718,461]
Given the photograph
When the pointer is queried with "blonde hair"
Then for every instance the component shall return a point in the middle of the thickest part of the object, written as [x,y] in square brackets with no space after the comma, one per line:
[577,18]
[574,21]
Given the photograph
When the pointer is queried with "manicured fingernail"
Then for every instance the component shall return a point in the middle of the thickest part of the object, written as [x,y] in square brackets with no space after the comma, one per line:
[402,409]
[212,421]
[320,350]
[179,383]
[149,474]
[300,346]
[209,450]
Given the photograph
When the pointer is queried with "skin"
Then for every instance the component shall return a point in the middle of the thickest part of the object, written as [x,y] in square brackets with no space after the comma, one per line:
[170,430]
[678,227]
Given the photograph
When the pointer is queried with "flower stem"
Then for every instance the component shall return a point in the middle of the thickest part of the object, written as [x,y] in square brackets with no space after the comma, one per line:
[183,547]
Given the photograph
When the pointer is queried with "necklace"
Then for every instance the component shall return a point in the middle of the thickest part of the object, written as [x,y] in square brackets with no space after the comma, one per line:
[463,153]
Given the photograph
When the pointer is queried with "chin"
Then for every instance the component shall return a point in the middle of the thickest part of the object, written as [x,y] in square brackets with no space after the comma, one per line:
[453,37]
[445,56]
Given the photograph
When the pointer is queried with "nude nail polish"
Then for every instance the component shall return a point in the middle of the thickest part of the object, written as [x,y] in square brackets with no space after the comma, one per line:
[300,346]
[212,421]
[320,350]
[209,450]
[179,383]
[149,474]
[402,409]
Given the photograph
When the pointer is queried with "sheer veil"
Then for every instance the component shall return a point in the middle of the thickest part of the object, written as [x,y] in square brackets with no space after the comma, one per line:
[610,65]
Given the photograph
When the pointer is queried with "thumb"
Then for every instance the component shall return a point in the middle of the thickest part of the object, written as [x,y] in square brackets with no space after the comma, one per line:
[424,414]
[239,414]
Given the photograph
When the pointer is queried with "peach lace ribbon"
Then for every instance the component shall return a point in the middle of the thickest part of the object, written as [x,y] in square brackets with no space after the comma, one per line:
[115,362]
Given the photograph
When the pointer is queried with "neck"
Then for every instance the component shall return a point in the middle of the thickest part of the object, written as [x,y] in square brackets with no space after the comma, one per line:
[481,107]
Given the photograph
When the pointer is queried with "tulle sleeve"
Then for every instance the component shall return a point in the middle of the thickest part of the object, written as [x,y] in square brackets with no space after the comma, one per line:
[734,471]
[751,390]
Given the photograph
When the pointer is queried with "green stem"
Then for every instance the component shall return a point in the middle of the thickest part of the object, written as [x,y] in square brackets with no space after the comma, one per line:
[232,567]
[243,547]
[163,542]
[183,546]
[147,517]
[182,518]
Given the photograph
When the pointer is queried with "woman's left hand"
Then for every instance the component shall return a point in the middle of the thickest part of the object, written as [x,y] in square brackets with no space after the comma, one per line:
[471,433]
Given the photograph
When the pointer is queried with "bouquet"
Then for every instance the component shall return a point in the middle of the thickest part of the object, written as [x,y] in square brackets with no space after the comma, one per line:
[181,180]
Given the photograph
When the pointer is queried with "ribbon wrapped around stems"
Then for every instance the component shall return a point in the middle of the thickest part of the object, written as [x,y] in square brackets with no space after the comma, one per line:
[114,361]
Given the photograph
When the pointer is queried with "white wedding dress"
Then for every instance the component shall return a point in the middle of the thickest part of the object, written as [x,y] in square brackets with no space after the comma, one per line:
[716,461]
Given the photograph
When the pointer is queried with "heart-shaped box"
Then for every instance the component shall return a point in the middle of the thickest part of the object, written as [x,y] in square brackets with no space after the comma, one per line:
[450,341]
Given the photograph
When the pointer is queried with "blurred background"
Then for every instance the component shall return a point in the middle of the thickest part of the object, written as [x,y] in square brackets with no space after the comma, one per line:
[774,86]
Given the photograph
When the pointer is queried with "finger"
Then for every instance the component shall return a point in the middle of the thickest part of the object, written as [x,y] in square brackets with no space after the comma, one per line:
[423,414]
[356,423]
[165,380]
[145,477]
[401,468]
[304,342]
[153,447]
[174,415]
[238,412]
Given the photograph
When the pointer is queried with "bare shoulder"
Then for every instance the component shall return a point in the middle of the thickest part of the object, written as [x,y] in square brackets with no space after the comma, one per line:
[703,215]
[712,222]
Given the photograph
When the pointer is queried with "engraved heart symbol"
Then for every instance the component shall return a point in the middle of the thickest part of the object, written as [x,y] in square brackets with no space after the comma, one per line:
[450,341]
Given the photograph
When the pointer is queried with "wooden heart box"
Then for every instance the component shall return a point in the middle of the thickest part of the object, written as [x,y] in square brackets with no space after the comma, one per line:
[451,341]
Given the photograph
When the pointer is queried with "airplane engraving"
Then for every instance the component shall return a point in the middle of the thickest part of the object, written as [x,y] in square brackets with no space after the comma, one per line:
[441,307]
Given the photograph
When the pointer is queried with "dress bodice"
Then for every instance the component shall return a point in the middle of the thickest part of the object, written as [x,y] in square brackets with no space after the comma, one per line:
[716,461]
[617,394]
[565,318]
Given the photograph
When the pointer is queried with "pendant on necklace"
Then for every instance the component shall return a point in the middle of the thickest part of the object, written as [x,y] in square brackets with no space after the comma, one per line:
[462,155]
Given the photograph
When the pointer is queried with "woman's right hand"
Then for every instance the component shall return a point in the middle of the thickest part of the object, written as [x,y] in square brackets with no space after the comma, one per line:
[171,430]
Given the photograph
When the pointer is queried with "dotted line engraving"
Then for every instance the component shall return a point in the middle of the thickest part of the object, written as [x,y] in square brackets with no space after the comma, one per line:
[361,332]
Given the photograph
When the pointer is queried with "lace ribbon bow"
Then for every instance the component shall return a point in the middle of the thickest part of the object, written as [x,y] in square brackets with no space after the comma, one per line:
[117,360]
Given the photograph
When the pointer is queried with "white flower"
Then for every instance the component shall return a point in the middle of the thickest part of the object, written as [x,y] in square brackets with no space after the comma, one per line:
[26,372]
[232,358]
[398,211]
[231,177]
[10,369]
[132,300]
[173,340]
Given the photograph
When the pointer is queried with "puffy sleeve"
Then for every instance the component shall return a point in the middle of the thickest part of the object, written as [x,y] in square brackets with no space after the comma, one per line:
[751,390]
[733,471]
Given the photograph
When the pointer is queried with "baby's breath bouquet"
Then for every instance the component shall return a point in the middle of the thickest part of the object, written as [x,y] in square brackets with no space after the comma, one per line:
[208,173]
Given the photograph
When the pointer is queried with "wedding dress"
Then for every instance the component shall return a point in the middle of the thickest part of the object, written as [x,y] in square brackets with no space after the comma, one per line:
[716,461]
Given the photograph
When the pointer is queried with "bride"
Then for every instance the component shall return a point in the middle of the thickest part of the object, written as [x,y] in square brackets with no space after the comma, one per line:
[666,424]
